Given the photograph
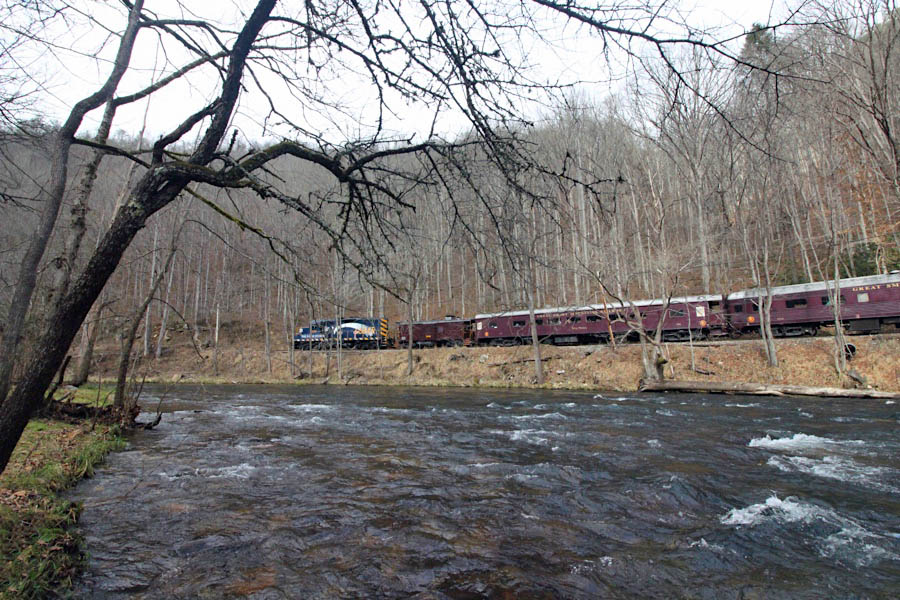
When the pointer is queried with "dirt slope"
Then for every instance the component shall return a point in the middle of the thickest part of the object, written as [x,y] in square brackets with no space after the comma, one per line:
[242,359]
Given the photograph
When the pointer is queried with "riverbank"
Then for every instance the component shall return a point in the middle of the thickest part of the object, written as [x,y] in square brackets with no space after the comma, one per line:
[40,551]
[804,361]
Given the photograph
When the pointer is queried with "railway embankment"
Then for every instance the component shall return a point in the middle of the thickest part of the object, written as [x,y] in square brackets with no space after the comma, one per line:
[802,361]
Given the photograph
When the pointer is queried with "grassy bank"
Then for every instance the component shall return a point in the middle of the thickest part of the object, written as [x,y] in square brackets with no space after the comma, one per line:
[803,361]
[39,549]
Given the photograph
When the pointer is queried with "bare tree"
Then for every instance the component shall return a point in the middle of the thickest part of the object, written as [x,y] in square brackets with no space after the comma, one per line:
[862,56]
[449,56]
[52,199]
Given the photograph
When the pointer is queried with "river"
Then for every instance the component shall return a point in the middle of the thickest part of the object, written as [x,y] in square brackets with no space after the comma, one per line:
[365,492]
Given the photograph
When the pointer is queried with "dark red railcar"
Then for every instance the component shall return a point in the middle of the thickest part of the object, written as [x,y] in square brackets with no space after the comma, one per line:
[449,331]
[684,318]
[866,303]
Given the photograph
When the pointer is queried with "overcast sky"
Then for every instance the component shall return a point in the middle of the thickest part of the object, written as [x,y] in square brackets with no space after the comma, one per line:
[575,55]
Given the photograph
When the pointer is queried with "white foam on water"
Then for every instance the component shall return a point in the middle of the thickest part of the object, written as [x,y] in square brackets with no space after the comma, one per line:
[582,568]
[241,471]
[788,510]
[392,411]
[241,411]
[800,442]
[532,436]
[889,402]
[551,406]
[537,437]
[314,420]
[836,467]
[312,407]
[665,413]
[653,443]
[739,405]
[495,405]
[586,567]
[702,543]
[553,415]
[277,418]
[173,476]
[851,543]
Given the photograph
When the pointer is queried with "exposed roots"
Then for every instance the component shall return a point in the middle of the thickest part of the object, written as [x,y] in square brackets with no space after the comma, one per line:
[72,412]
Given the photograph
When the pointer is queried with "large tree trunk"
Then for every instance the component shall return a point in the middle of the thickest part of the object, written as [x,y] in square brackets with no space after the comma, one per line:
[157,188]
[62,142]
[67,317]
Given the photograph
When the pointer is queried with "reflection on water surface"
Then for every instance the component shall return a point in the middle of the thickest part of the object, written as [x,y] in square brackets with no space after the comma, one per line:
[327,492]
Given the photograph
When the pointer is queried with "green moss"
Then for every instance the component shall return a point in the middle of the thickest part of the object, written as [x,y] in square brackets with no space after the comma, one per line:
[90,393]
[40,553]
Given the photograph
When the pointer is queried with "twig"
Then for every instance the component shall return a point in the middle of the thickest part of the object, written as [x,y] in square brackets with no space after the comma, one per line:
[524,360]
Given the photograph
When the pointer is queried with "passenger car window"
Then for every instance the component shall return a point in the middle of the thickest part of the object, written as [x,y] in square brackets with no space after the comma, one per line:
[826,300]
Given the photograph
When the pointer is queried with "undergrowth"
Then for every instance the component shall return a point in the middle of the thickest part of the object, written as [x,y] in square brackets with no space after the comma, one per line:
[40,551]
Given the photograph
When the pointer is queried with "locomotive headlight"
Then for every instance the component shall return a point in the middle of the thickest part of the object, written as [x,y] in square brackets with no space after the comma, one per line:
[751,319]
[702,322]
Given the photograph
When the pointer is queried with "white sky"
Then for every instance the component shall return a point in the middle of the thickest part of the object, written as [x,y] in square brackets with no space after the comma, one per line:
[71,71]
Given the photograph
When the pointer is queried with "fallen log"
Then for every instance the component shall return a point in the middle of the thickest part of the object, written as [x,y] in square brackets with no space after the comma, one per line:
[520,362]
[762,389]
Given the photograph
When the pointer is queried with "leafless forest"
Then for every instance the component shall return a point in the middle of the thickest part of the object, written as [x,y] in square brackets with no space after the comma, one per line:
[706,167]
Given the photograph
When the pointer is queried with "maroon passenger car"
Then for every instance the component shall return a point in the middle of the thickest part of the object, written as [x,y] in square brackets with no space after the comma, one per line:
[866,303]
[685,318]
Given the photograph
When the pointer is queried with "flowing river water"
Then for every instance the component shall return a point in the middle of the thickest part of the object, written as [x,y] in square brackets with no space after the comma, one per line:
[344,492]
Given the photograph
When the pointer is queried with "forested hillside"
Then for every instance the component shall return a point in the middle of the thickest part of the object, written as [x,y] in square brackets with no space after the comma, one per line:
[717,175]
[280,182]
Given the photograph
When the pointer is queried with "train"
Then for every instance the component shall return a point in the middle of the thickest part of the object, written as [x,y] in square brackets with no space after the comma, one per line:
[866,304]
[357,333]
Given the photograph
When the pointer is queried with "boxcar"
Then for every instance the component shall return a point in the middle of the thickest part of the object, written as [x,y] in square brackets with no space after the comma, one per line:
[449,331]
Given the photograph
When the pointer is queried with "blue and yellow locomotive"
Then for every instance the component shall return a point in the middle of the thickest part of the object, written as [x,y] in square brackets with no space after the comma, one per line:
[360,333]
